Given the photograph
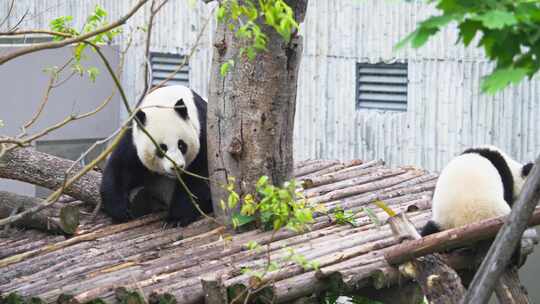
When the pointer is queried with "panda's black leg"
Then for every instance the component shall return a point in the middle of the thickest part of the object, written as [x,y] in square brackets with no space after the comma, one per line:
[115,198]
[182,211]
[430,228]
[116,205]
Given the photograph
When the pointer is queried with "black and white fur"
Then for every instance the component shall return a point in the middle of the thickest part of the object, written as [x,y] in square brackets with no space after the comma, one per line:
[175,117]
[480,183]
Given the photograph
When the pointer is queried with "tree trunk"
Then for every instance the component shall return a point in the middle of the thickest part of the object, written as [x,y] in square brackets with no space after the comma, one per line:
[251,111]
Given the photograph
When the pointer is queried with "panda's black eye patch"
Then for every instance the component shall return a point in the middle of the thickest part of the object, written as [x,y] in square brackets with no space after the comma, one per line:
[182,146]
[163,147]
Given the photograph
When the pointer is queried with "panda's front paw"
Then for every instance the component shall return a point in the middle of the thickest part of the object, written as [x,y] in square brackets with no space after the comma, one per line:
[118,214]
[181,221]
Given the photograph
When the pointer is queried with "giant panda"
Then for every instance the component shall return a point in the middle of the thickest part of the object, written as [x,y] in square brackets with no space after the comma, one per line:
[481,183]
[175,116]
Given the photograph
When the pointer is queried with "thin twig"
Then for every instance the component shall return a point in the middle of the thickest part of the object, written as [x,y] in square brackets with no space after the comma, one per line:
[6,18]
[44,100]
[62,43]
[186,58]
[14,28]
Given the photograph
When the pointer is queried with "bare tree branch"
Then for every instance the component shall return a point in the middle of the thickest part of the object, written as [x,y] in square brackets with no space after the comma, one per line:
[44,100]
[6,18]
[59,44]
[153,12]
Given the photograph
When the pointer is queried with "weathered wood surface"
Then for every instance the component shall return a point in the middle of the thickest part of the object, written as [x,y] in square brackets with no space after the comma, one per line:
[144,255]
[64,219]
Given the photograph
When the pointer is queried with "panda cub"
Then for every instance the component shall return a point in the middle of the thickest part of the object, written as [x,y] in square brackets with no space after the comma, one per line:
[175,116]
[480,183]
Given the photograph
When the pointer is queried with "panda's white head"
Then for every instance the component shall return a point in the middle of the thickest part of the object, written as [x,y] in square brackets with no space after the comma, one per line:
[170,115]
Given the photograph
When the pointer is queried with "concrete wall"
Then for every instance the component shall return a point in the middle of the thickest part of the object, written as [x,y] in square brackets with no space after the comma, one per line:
[176,29]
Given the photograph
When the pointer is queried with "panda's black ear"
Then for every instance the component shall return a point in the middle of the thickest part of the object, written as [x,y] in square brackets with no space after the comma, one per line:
[141,116]
[526,169]
[181,109]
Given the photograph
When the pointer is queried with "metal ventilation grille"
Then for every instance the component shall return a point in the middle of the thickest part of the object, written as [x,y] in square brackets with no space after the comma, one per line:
[165,64]
[382,86]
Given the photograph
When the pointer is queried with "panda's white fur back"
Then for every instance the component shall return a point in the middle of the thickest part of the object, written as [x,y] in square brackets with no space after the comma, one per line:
[469,189]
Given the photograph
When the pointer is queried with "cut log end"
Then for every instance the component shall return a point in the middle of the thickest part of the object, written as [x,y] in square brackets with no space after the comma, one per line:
[69,219]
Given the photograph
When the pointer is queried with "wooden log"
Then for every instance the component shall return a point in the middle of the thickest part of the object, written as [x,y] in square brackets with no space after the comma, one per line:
[214,290]
[34,167]
[333,169]
[302,163]
[119,253]
[63,221]
[313,181]
[371,183]
[449,239]
[509,289]
[313,167]
[364,178]
[296,287]
[439,282]
[86,237]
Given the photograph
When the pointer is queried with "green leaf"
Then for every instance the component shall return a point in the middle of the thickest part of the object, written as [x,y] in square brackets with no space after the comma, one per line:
[233,199]
[468,29]
[93,72]
[263,180]
[220,13]
[385,208]
[242,219]
[372,216]
[252,245]
[425,30]
[501,78]
[497,19]
[225,67]
[437,22]
[416,39]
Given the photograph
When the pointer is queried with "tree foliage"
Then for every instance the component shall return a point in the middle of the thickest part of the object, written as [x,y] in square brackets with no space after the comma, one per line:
[96,20]
[245,19]
[507,30]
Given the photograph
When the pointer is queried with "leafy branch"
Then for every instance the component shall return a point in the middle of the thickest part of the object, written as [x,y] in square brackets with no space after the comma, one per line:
[245,19]
[507,30]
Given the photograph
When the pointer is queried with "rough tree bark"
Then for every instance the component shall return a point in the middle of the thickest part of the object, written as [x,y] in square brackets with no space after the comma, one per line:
[251,111]
[440,283]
